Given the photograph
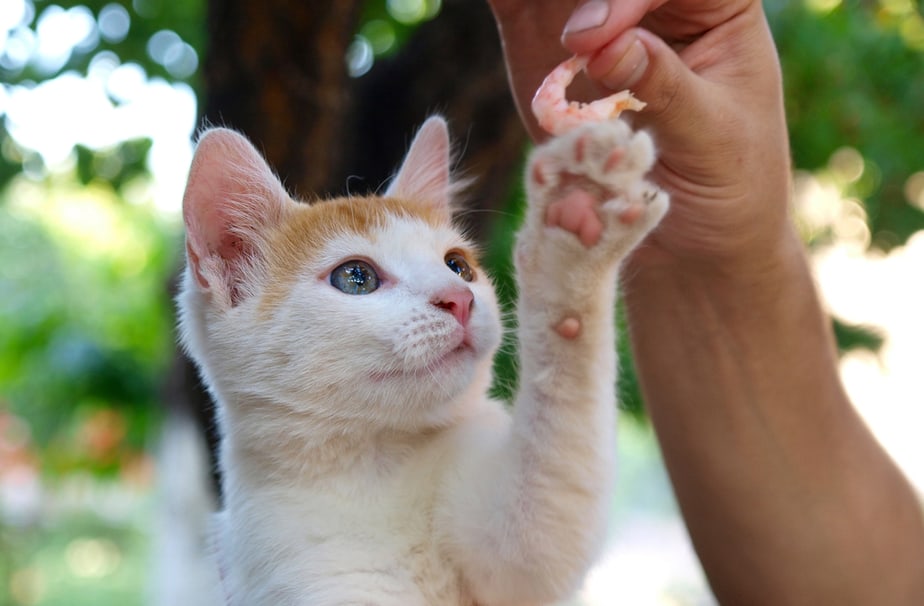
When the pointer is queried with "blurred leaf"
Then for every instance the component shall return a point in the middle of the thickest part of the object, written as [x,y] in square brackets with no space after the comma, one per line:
[852,337]
[145,19]
[116,166]
[73,331]
[854,78]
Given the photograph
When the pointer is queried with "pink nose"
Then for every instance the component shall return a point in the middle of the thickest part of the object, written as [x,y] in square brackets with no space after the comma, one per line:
[458,302]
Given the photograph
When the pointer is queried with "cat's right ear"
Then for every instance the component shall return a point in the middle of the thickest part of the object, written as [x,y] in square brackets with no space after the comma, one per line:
[424,174]
[231,197]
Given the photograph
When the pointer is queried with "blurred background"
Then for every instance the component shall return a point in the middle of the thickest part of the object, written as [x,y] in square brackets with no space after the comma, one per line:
[105,480]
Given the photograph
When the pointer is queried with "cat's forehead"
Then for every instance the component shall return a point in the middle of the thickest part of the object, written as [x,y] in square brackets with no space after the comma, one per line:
[362,214]
[309,230]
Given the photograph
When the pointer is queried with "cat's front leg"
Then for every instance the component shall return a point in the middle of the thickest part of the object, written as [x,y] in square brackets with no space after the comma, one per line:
[589,207]
[544,495]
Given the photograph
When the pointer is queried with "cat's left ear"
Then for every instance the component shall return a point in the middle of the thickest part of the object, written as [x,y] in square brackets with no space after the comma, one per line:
[424,174]
[232,198]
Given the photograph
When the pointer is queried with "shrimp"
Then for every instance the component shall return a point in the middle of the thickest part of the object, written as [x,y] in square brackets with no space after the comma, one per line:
[557,115]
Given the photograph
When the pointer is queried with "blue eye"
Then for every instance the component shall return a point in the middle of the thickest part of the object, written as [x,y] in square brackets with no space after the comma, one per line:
[457,263]
[355,278]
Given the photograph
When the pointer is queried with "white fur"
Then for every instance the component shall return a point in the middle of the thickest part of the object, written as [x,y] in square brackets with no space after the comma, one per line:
[363,462]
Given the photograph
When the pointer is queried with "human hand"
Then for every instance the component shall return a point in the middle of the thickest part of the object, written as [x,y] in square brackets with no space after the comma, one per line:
[709,73]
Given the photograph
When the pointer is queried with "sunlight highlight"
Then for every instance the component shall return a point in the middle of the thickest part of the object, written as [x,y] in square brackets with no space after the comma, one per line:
[88,219]
[149,108]
[884,291]
[92,557]
[867,287]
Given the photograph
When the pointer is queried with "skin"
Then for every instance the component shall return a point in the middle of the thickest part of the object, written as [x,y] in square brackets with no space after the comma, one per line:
[787,496]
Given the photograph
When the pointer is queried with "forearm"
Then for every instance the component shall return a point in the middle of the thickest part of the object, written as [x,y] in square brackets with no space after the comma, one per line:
[787,496]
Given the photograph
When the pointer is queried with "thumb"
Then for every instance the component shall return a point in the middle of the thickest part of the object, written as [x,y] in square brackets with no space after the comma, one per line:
[677,99]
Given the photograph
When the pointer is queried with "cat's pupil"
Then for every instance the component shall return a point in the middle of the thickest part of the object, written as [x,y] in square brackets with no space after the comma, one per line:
[457,263]
[355,278]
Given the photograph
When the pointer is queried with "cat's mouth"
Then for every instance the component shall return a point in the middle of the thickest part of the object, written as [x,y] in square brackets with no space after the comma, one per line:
[445,362]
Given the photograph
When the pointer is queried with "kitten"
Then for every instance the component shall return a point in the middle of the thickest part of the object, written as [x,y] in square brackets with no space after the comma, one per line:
[348,344]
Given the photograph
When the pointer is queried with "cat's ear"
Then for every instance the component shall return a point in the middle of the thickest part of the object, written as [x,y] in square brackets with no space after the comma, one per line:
[424,174]
[231,197]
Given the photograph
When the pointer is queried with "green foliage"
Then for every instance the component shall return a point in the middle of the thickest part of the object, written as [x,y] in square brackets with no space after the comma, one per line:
[163,37]
[84,322]
[75,560]
[127,30]
[387,26]
[116,166]
[851,336]
[85,334]
[854,75]
[497,258]
[384,27]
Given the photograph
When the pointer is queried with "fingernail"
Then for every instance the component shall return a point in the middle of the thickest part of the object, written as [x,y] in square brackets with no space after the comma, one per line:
[589,15]
[629,69]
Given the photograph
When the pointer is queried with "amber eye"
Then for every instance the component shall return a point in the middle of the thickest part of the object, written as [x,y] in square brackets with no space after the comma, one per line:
[457,263]
[355,278]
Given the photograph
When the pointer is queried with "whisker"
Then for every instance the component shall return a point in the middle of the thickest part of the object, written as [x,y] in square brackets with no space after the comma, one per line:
[464,212]
[349,179]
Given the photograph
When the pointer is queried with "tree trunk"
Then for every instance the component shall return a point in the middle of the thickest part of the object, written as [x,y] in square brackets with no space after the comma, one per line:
[275,71]
[452,65]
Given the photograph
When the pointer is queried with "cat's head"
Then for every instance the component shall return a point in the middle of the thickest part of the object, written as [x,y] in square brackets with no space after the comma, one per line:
[367,308]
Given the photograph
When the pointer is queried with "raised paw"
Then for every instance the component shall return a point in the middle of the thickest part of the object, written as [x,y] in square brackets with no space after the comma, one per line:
[590,182]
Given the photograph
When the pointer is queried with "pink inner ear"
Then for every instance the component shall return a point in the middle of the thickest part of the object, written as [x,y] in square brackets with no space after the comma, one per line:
[231,197]
[424,174]
[196,264]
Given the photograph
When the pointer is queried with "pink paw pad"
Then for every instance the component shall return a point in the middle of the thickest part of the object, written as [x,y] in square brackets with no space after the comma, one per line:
[579,146]
[576,213]
[631,214]
[569,328]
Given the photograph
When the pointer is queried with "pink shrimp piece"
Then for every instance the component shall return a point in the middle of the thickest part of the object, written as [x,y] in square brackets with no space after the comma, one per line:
[557,115]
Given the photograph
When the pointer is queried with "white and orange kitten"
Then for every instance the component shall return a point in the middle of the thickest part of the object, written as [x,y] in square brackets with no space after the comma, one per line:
[348,344]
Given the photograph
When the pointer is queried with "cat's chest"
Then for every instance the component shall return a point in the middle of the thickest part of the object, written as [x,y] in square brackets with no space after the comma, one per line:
[363,537]
[391,573]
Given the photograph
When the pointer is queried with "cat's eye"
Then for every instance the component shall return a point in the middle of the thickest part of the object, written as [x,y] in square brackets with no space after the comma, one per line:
[457,263]
[355,278]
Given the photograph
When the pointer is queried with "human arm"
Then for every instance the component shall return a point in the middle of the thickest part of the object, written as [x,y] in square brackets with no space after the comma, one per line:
[788,497]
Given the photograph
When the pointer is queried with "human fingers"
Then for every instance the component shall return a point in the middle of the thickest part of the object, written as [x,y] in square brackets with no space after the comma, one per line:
[593,23]
[708,97]
[678,101]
